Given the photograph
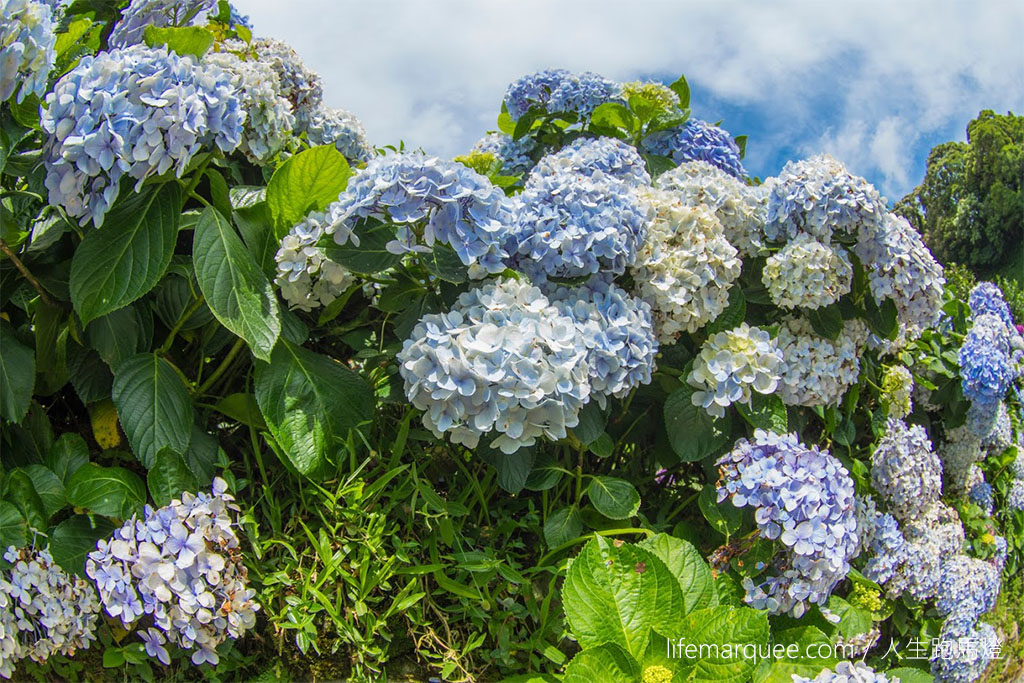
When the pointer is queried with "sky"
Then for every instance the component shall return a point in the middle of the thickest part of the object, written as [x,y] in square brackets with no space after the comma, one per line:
[875,84]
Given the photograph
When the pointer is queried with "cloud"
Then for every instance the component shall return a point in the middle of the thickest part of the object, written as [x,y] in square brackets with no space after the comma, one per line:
[871,81]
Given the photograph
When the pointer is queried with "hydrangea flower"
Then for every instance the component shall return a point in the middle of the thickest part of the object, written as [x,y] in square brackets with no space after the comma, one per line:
[981,495]
[697,140]
[181,566]
[131,28]
[135,112]
[986,297]
[959,453]
[44,611]
[597,158]
[571,224]
[905,471]
[27,42]
[987,368]
[516,156]
[897,386]
[963,654]
[307,278]
[268,116]
[560,91]
[999,435]
[807,274]
[340,128]
[300,86]
[659,94]
[616,330]
[741,208]
[846,672]
[818,371]
[932,537]
[505,360]
[1015,494]
[731,364]
[685,268]
[968,588]
[886,550]
[820,197]
[804,498]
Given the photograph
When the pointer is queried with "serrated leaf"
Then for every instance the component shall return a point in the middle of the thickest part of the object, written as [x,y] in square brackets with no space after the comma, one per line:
[115,336]
[12,526]
[607,663]
[724,517]
[767,412]
[513,468]
[592,423]
[614,498]
[108,491]
[372,255]
[827,321]
[444,263]
[17,374]
[19,489]
[153,406]
[122,260]
[185,40]
[169,477]
[688,566]
[716,626]
[67,454]
[236,290]
[49,487]
[562,526]
[692,433]
[308,181]
[74,538]
[615,115]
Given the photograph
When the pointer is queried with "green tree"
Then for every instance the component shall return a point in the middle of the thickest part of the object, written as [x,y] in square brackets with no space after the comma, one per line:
[970,205]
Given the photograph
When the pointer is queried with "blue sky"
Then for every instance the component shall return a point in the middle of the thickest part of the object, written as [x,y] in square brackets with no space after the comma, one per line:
[874,83]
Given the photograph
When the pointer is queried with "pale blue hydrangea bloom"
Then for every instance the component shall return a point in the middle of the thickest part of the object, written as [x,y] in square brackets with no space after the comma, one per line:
[846,672]
[44,611]
[982,495]
[598,158]
[987,367]
[504,360]
[1000,435]
[307,278]
[182,566]
[964,653]
[905,470]
[27,42]
[818,371]
[807,274]
[326,126]
[300,86]
[804,498]
[560,91]
[969,588]
[697,140]
[986,297]
[136,112]
[886,550]
[1015,494]
[931,538]
[959,453]
[570,224]
[139,14]
[516,156]
[731,365]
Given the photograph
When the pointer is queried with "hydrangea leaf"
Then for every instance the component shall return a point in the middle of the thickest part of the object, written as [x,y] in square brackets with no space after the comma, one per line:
[185,40]
[108,491]
[20,490]
[119,262]
[236,290]
[49,487]
[806,642]
[715,628]
[767,412]
[614,498]
[827,321]
[724,517]
[308,181]
[513,468]
[592,423]
[562,526]
[153,406]
[76,537]
[169,477]
[692,433]
[371,256]
[682,88]
[17,375]
[688,566]
[608,663]
[12,525]
[67,454]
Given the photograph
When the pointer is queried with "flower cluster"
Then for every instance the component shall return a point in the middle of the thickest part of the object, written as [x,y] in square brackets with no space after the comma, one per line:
[987,367]
[897,387]
[139,14]
[740,208]
[300,86]
[560,91]
[697,140]
[959,453]
[658,94]
[803,497]
[885,550]
[598,158]
[571,224]
[27,42]
[44,611]
[968,588]
[182,566]
[135,112]
[268,116]
[1015,492]
[516,156]
[817,371]
[932,537]
[963,654]
[325,126]
[807,274]
[905,471]
[846,672]
[981,494]
[685,268]
[731,364]
[503,359]
[998,436]
[617,332]
[986,297]
[307,278]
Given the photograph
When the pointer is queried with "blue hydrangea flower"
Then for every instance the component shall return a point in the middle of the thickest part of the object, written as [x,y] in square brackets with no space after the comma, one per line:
[597,158]
[804,498]
[182,566]
[969,588]
[238,19]
[1015,494]
[963,654]
[905,470]
[931,538]
[27,42]
[139,14]
[136,112]
[300,86]
[846,672]
[886,551]
[339,128]
[697,140]
[515,155]
[986,297]
[570,224]
[987,368]
[560,91]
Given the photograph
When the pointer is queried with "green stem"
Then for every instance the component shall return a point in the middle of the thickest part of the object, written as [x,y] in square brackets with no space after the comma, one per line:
[228,359]
[182,319]
[580,539]
[27,274]
[194,182]
[682,506]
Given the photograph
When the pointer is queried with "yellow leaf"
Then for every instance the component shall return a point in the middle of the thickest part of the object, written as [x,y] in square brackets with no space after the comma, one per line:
[104,424]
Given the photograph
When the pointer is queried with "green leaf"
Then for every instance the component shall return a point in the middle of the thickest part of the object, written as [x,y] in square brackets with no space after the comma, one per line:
[741,142]
[562,526]
[122,260]
[618,595]
[66,455]
[89,375]
[827,321]
[50,325]
[767,412]
[732,316]
[308,181]
[220,195]
[724,517]
[881,318]
[17,374]
[241,408]
[115,336]
[546,473]
[371,256]
[614,498]
[905,674]
[153,406]
[70,37]
[309,401]
[692,433]
[49,487]
[513,468]
[682,88]
[236,290]
[169,477]
[688,566]
[592,423]
[108,491]
[203,456]
[444,263]
[19,489]
[853,621]
[714,628]
[76,537]
[185,40]
[615,115]
[801,647]
[603,446]
[606,663]
[12,526]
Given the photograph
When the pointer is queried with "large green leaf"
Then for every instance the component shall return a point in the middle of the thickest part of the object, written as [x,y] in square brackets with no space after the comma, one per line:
[20,490]
[724,517]
[125,258]
[308,181]
[688,566]
[76,537]
[371,255]
[806,652]
[12,526]
[618,595]
[513,468]
[17,374]
[606,663]
[236,290]
[48,486]
[613,497]
[108,491]
[308,401]
[169,477]
[153,406]
[767,412]
[185,40]
[713,630]
[692,433]
[562,526]
[66,455]
[114,336]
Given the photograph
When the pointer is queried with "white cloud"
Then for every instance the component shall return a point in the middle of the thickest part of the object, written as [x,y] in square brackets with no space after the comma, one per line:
[433,73]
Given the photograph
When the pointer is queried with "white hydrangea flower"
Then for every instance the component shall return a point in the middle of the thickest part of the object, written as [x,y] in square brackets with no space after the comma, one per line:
[306,277]
[959,453]
[818,371]
[807,274]
[731,364]
[685,268]
[300,86]
[740,208]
